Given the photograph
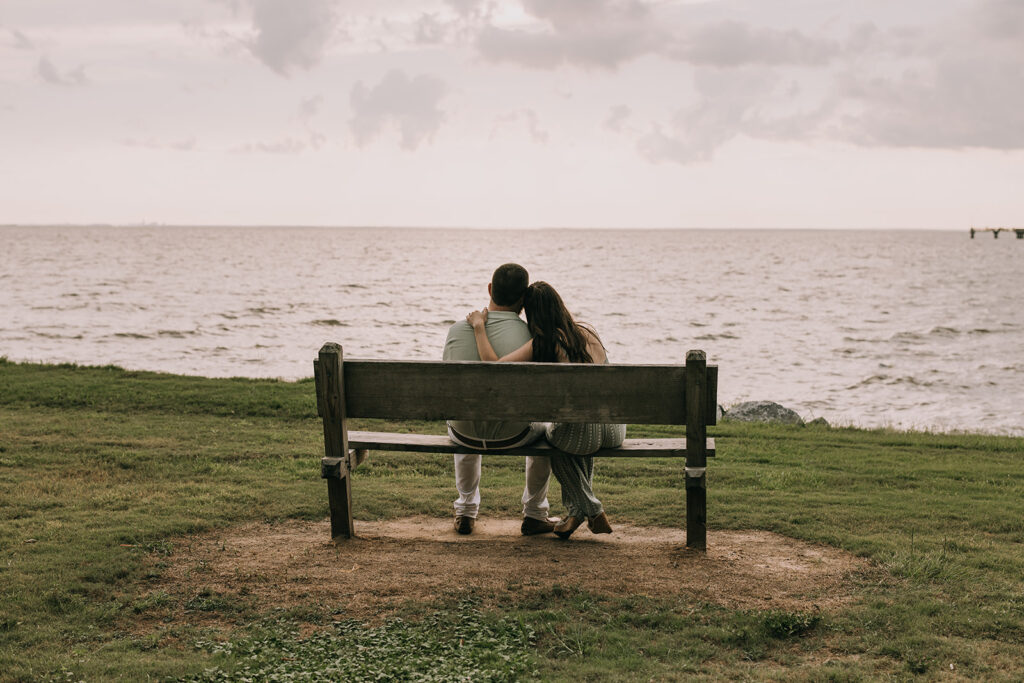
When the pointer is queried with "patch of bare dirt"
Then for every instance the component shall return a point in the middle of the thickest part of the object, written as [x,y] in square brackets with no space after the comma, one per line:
[420,558]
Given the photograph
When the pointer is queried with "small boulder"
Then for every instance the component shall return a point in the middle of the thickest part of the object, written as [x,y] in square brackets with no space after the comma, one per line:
[763,411]
[819,422]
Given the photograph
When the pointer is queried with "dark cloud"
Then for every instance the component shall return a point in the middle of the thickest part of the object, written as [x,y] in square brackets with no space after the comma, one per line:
[409,104]
[291,35]
[49,73]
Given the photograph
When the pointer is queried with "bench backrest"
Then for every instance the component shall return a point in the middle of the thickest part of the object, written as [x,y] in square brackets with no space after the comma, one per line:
[560,392]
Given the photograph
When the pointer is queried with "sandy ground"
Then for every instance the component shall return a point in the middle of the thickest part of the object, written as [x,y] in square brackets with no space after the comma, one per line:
[419,559]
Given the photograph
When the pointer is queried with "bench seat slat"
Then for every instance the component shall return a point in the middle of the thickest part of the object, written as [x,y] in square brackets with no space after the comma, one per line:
[429,443]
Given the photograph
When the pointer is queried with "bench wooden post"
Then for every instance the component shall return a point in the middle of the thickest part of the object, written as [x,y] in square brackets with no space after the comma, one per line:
[696,450]
[336,464]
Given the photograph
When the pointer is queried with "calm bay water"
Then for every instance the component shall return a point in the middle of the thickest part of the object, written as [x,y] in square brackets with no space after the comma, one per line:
[909,329]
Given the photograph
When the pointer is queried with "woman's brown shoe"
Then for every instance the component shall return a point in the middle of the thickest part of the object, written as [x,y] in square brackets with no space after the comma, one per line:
[598,524]
[568,525]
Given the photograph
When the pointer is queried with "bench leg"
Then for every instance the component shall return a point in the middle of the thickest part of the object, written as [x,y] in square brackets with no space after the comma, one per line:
[339,495]
[697,512]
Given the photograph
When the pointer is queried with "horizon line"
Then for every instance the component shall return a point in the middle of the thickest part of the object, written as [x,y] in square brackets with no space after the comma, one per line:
[145,224]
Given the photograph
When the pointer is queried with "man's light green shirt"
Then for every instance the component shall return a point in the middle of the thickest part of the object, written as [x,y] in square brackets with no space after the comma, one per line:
[507,332]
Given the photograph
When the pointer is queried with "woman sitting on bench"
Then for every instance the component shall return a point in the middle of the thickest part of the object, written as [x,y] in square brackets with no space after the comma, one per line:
[557,338]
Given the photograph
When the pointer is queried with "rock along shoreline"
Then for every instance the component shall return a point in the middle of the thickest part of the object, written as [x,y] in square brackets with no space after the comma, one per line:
[766,411]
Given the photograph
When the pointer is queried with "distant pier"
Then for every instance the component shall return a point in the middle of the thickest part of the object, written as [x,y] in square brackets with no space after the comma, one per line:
[995,232]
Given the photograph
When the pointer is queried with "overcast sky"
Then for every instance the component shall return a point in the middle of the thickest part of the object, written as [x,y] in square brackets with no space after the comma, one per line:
[603,113]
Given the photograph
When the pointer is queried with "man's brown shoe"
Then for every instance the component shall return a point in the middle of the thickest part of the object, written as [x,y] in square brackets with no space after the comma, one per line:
[464,524]
[567,526]
[532,527]
[599,524]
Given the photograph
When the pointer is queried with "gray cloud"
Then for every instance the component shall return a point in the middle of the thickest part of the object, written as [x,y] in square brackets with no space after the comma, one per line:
[966,101]
[49,73]
[588,33]
[21,41]
[608,33]
[309,107]
[959,84]
[291,34]
[287,145]
[617,117]
[410,104]
[729,98]
[184,145]
[1000,20]
[466,8]
[533,127]
[731,43]
[429,30]
[960,87]
[530,120]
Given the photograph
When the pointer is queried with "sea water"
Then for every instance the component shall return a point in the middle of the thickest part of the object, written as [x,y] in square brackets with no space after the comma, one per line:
[912,329]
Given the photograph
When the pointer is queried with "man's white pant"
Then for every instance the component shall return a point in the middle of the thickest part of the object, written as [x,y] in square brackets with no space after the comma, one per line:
[535,493]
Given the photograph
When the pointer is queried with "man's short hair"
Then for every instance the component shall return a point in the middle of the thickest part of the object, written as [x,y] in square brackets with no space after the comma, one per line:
[508,284]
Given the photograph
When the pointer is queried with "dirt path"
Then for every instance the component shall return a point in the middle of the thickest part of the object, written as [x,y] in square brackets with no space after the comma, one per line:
[420,558]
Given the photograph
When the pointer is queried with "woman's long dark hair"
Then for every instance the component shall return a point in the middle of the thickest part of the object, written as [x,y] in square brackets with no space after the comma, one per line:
[552,326]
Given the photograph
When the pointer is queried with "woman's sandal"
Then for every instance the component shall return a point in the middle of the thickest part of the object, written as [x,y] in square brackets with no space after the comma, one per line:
[568,525]
[598,524]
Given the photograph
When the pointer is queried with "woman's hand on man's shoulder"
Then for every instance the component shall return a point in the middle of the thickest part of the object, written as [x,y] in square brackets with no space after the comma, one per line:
[477,319]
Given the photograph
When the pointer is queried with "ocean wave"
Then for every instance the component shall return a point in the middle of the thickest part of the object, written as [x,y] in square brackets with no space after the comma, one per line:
[55,335]
[329,322]
[984,330]
[262,310]
[890,380]
[716,337]
[176,334]
[131,335]
[939,331]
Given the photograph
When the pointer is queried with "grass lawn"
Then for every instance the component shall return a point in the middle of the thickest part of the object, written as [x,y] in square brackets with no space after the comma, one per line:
[102,469]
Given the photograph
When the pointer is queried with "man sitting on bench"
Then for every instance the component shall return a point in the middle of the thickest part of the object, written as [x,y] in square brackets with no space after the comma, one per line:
[506,332]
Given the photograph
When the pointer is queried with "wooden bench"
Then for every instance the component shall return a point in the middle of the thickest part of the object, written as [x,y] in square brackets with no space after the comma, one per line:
[524,392]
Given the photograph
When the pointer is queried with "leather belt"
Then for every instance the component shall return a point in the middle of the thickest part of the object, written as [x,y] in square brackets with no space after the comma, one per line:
[491,444]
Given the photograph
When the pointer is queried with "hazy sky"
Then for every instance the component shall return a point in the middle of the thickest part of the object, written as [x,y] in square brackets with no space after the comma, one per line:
[747,113]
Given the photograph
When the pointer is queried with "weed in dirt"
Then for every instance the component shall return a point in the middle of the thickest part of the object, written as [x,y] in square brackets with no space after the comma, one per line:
[462,644]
